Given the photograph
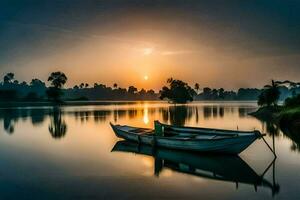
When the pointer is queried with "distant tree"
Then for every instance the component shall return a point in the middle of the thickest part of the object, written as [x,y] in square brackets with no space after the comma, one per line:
[132,89]
[214,94]
[76,87]
[151,92]
[86,85]
[37,83]
[115,85]
[16,82]
[81,85]
[57,79]
[206,93]
[169,80]
[270,95]
[221,93]
[8,78]
[177,92]
[23,83]
[197,87]
[142,92]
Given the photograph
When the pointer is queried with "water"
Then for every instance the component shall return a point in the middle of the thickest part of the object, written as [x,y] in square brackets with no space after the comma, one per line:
[66,153]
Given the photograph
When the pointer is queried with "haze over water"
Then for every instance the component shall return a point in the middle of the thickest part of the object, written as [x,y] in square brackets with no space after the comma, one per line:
[66,152]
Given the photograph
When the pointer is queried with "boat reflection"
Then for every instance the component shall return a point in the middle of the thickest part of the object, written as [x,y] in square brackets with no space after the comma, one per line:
[217,167]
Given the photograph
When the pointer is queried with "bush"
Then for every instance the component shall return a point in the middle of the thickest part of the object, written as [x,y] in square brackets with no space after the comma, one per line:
[292,101]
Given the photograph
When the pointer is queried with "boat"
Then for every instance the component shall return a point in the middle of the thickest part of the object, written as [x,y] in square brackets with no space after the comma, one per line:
[228,168]
[189,138]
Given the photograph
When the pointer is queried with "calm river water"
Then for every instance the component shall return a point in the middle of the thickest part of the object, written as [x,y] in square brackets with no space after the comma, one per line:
[71,152]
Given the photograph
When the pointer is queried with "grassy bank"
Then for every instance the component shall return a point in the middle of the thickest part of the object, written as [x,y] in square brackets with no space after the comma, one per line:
[290,116]
[284,116]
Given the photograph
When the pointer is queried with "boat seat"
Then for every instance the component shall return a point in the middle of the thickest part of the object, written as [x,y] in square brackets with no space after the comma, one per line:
[204,136]
[142,131]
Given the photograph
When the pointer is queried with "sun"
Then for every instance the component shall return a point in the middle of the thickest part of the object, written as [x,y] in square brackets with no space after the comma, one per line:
[147,51]
[146,77]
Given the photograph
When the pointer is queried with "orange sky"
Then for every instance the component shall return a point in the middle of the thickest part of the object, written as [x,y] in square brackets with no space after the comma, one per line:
[121,43]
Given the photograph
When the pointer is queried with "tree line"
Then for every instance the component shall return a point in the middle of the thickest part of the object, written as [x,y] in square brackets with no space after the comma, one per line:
[176,91]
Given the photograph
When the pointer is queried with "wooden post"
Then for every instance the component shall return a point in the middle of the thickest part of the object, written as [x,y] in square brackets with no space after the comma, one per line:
[158,128]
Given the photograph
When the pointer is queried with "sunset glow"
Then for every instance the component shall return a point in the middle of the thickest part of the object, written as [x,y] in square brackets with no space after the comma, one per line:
[170,40]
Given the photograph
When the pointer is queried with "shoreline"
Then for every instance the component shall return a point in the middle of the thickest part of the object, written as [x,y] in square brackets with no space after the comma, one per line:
[100,102]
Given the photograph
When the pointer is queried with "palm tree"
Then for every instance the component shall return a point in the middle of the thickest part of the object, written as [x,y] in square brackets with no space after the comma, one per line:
[270,94]
[58,79]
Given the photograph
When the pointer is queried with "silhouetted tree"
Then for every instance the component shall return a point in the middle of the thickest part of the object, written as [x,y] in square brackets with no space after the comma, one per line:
[81,85]
[221,94]
[178,91]
[197,87]
[57,79]
[270,95]
[132,89]
[37,83]
[292,101]
[8,78]
[23,84]
[115,85]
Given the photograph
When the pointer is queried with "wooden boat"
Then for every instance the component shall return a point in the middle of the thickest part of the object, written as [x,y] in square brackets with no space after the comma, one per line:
[228,168]
[189,138]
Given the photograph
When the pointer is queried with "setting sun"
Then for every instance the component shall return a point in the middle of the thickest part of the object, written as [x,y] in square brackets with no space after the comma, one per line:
[146,77]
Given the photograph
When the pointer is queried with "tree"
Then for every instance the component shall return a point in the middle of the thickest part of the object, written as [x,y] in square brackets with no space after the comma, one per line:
[177,92]
[81,85]
[221,93]
[8,78]
[197,87]
[132,89]
[57,79]
[270,95]
[37,83]
[115,85]
[86,85]
[169,80]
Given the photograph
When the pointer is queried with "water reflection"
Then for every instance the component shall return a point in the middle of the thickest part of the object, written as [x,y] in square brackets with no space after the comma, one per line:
[293,132]
[178,115]
[58,126]
[216,167]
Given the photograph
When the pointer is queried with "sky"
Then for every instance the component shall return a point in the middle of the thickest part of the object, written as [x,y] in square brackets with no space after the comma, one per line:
[216,43]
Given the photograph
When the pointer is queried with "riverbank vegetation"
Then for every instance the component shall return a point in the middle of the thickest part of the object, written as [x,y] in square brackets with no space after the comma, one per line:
[12,90]
[287,115]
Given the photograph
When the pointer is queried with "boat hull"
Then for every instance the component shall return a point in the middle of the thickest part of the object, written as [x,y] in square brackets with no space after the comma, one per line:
[232,145]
